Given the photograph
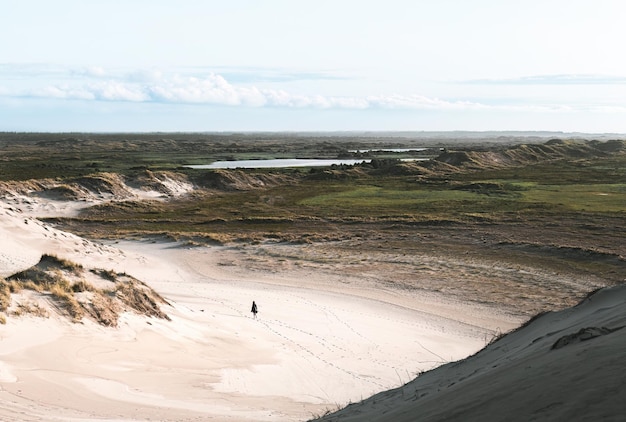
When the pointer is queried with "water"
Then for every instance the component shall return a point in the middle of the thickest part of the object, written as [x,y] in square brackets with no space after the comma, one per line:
[275,163]
[283,163]
[388,150]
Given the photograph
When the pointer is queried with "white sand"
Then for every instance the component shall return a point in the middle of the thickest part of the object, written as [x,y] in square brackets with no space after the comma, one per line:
[319,342]
[523,376]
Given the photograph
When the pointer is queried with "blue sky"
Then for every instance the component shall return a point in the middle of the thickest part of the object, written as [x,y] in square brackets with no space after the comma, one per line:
[243,65]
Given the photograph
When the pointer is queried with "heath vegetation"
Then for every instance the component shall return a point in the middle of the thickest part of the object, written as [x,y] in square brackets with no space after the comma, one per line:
[556,205]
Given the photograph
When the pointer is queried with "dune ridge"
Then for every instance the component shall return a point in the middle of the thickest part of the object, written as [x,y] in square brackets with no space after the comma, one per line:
[564,365]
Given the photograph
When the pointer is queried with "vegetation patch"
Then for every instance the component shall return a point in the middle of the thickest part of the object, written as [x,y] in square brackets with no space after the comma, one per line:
[62,284]
[481,200]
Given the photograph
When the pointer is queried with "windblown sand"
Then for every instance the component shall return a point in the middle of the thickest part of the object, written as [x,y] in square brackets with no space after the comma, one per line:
[324,337]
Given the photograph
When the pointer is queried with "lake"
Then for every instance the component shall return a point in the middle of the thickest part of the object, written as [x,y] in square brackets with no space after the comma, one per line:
[274,163]
[388,150]
[282,163]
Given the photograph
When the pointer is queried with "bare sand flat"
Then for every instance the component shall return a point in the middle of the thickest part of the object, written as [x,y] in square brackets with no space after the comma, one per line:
[322,339]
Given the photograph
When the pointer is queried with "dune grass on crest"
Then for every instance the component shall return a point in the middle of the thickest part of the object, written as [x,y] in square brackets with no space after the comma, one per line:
[62,283]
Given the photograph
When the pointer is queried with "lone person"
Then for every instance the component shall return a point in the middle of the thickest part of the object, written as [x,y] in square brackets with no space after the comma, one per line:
[254,309]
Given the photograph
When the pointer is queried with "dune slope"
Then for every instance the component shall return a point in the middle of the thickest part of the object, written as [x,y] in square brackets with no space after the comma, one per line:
[565,365]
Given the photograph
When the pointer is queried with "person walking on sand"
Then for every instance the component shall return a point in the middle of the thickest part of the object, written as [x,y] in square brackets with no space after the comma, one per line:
[254,309]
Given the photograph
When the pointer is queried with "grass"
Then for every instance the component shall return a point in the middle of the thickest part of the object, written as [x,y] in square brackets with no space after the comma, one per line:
[327,411]
[82,286]
[50,279]
[574,201]
[139,297]
[389,201]
[106,274]
[278,208]
[5,295]
[30,308]
[64,264]
[68,301]
[596,198]
[551,188]
[38,156]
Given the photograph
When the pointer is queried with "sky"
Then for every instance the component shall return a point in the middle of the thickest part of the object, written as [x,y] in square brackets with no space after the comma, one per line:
[312,65]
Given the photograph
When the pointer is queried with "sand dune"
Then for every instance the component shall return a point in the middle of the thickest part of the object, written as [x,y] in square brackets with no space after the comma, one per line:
[321,340]
[565,365]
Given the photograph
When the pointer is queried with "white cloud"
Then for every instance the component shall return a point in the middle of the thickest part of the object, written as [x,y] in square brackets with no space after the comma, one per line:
[105,91]
[191,87]
[214,89]
[61,92]
[116,91]
[421,102]
[609,109]
[561,79]
[91,71]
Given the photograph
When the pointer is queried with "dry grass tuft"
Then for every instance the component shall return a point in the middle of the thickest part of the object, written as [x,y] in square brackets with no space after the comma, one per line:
[68,301]
[30,308]
[103,308]
[5,295]
[62,283]
[63,264]
[107,274]
[82,286]
[52,277]
[141,298]
[27,285]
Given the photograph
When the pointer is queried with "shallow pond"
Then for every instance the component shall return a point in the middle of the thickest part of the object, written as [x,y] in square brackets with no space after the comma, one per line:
[281,163]
[274,163]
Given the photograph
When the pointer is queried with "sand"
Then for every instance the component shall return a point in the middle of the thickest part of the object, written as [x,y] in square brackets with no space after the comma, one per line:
[560,366]
[321,340]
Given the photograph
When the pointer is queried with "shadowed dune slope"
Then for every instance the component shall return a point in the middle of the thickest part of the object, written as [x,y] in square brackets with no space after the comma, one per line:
[566,365]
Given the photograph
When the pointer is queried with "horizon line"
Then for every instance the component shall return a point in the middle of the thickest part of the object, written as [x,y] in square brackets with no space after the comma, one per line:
[307,132]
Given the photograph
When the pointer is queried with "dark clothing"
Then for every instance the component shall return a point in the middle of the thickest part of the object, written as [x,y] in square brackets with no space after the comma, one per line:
[254,309]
